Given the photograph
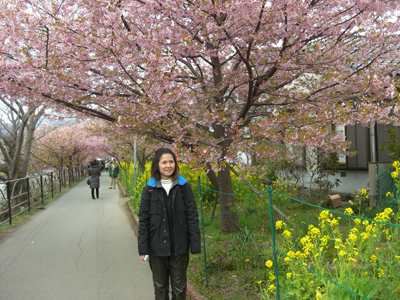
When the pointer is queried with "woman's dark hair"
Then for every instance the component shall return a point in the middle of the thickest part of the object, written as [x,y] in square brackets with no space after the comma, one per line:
[94,163]
[155,170]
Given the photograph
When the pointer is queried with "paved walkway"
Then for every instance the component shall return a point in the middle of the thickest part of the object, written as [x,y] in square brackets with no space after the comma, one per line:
[77,248]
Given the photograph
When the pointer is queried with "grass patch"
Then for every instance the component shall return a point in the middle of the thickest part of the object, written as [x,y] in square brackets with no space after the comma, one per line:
[236,266]
[235,262]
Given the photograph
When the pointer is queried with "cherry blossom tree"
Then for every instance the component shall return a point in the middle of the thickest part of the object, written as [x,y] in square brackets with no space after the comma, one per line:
[212,77]
[65,147]
[119,142]
[17,128]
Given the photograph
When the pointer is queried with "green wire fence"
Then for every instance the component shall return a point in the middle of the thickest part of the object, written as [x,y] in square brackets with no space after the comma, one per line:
[275,249]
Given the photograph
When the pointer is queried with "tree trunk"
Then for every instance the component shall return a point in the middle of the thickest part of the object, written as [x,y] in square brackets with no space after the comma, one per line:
[212,177]
[30,129]
[214,181]
[214,206]
[229,220]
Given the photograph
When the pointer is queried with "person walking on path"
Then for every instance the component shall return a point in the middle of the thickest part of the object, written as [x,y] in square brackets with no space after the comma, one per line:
[168,226]
[94,173]
[113,171]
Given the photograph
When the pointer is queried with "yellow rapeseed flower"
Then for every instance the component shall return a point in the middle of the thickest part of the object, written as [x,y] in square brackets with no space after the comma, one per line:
[269,263]
[365,235]
[369,228]
[352,238]
[272,288]
[324,214]
[314,232]
[373,258]
[291,254]
[271,276]
[351,259]
[279,224]
[388,211]
[324,240]
[318,295]
[304,240]
[334,222]
[348,211]
[380,272]
[288,275]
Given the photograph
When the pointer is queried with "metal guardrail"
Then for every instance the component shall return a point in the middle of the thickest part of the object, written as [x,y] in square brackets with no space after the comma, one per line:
[20,195]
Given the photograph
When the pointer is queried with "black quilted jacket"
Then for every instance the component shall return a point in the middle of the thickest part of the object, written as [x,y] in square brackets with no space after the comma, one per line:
[153,234]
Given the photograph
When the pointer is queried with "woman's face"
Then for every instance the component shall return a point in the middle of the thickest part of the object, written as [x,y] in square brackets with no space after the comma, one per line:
[166,166]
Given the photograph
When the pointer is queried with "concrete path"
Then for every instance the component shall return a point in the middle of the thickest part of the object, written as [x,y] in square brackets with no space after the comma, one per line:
[76,249]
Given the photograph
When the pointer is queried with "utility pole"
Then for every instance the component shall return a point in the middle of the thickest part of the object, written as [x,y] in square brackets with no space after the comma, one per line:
[134,162]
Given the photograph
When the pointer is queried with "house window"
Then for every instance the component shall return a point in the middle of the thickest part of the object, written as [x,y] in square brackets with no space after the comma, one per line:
[381,136]
[360,142]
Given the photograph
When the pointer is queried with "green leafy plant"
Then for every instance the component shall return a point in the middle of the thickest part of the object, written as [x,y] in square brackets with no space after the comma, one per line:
[245,238]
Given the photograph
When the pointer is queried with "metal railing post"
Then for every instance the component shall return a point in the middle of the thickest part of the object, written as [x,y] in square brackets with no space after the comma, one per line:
[41,187]
[9,202]
[29,194]
[204,237]
[273,239]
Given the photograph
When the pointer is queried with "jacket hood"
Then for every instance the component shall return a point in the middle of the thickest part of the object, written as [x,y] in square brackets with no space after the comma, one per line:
[153,182]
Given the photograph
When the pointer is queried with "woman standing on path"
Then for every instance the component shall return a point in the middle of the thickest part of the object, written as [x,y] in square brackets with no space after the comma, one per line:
[168,226]
[95,173]
[113,171]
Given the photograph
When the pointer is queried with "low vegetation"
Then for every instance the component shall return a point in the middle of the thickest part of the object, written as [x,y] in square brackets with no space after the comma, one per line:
[316,249]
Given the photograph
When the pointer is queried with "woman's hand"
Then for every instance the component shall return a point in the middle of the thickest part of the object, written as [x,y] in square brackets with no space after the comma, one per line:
[142,257]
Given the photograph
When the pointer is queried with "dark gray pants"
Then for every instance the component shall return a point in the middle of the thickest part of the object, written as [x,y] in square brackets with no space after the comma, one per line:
[166,268]
[97,193]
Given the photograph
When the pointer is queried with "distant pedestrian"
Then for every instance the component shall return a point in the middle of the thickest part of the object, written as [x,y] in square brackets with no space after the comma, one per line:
[113,171]
[168,226]
[95,173]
